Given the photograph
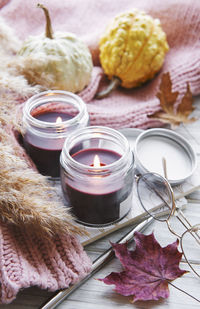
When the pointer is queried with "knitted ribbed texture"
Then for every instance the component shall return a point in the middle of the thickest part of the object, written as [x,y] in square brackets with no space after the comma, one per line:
[27,260]
[88,19]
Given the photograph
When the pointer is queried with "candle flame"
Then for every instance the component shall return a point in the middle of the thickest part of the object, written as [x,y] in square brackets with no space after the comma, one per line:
[59,120]
[96,162]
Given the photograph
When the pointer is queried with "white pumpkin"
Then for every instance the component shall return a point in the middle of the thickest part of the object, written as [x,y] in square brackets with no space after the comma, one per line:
[59,61]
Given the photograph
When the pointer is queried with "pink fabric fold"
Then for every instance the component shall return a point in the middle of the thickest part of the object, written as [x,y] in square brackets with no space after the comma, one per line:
[88,19]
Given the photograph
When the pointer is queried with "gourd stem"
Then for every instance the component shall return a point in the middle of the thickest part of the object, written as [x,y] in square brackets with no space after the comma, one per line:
[115,82]
[49,31]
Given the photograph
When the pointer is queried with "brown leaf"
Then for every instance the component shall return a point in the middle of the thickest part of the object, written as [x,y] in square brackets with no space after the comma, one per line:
[185,107]
[165,95]
[169,113]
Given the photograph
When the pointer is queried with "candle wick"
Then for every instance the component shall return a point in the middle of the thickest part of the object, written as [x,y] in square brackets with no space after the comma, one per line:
[60,125]
[101,164]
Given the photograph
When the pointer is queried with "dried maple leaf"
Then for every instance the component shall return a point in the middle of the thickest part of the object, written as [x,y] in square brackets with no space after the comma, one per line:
[147,270]
[169,113]
[165,95]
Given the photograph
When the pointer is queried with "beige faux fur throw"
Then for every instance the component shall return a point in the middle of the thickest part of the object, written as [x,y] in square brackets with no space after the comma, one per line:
[26,198]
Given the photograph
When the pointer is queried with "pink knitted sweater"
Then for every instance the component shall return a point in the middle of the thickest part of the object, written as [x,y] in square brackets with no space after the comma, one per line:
[26,260]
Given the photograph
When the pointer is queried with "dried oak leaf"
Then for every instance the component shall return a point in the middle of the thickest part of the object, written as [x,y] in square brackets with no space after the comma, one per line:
[147,270]
[170,114]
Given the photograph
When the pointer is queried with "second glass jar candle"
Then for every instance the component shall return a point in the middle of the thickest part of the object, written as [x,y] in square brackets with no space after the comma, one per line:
[48,118]
[97,179]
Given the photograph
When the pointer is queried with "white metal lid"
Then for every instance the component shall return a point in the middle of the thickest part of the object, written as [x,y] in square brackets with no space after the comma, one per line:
[152,145]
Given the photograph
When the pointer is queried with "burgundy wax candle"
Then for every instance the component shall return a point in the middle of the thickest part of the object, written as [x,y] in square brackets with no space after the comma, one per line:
[98,193]
[46,156]
[105,200]
[48,118]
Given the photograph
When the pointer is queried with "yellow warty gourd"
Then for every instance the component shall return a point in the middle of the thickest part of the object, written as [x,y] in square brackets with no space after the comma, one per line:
[133,48]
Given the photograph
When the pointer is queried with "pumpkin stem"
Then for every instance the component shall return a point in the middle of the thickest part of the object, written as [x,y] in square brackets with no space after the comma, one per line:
[114,83]
[49,31]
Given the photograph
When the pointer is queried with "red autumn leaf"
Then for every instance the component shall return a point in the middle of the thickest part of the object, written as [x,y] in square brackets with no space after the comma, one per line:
[147,270]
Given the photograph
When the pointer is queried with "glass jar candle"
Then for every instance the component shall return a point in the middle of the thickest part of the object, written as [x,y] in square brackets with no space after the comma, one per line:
[97,179]
[48,118]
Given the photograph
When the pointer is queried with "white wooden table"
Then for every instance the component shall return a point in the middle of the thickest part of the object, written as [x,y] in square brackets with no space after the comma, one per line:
[95,294]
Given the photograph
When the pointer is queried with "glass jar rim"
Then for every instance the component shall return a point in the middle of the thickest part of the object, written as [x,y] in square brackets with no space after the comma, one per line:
[33,102]
[115,166]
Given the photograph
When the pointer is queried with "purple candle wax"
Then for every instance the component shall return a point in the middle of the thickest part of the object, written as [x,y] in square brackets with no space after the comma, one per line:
[46,155]
[52,116]
[96,202]
[87,156]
